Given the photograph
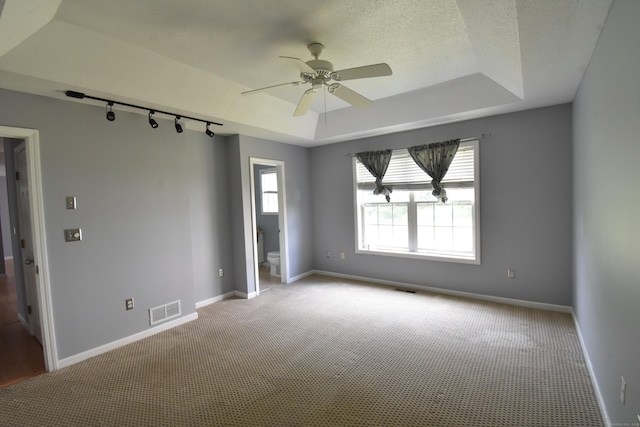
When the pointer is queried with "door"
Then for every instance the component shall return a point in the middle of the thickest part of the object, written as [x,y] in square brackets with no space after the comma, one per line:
[26,243]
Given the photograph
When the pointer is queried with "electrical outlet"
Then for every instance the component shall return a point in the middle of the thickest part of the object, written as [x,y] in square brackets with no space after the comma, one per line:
[342,256]
[129,303]
[328,254]
[72,235]
[511,273]
[623,390]
[71,202]
[220,272]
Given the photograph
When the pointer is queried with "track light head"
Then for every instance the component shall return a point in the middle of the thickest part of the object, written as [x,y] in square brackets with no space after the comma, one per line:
[111,116]
[178,125]
[209,132]
[152,121]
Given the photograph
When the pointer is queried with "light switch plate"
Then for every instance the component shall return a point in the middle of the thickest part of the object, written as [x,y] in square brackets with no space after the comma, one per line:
[71,202]
[72,235]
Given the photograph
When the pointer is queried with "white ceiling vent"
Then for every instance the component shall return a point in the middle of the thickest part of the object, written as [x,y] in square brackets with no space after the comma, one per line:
[164,312]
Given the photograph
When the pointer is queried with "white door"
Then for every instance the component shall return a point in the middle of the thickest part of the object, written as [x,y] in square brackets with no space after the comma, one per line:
[28,265]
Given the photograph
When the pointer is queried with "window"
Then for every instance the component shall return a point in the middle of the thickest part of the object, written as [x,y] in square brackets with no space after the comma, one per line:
[415,224]
[269,190]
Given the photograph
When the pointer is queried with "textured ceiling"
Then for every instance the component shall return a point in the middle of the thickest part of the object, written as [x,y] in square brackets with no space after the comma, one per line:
[451,60]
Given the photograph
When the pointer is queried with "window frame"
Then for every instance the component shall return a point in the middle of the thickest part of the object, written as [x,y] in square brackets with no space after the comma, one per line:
[430,256]
[266,171]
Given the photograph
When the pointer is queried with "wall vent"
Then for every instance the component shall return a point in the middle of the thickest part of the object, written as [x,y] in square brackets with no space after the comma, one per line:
[164,312]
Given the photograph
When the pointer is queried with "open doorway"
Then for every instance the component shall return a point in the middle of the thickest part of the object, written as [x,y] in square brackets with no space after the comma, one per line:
[268,214]
[26,332]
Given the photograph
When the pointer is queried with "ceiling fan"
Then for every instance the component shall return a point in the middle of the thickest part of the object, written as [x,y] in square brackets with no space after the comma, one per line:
[319,73]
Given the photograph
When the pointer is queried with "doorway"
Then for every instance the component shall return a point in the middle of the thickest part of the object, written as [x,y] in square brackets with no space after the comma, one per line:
[28,342]
[269,228]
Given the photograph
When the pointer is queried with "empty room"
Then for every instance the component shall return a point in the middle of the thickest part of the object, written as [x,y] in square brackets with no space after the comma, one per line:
[296,213]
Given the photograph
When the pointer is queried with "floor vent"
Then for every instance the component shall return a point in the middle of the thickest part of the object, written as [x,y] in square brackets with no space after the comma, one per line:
[164,312]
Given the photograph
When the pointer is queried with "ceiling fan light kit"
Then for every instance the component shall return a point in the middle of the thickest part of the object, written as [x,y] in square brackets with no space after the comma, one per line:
[320,73]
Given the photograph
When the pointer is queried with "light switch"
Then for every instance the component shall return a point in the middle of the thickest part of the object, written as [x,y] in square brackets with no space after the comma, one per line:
[72,235]
[71,202]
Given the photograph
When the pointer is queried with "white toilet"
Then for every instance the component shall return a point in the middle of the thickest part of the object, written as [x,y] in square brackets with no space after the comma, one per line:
[274,261]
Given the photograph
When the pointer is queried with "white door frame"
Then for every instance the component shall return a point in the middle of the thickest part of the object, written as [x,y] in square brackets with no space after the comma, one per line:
[282,219]
[43,284]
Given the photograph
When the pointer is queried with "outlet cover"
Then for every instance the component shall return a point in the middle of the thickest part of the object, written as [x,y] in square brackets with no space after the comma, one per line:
[511,273]
[71,202]
[220,272]
[72,235]
[342,256]
[129,303]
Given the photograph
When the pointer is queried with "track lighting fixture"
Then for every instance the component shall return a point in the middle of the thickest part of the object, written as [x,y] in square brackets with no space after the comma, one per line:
[152,121]
[178,125]
[209,132]
[111,116]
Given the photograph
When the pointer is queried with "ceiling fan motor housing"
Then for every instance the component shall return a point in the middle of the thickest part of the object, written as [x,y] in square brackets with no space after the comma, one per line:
[322,67]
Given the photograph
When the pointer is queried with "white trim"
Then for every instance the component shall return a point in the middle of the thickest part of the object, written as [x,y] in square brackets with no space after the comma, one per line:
[7,258]
[245,295]
[603,408]
[36,200]
[213,300]
[481,297]
[282,221]
[71,360]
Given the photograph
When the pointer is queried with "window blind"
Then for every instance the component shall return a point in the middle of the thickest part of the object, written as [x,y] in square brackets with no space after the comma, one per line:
[403,173]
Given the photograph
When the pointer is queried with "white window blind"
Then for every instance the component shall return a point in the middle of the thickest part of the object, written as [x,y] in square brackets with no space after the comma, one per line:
[404,173]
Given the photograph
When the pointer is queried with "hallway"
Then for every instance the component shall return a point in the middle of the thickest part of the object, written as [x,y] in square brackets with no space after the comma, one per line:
[21,355]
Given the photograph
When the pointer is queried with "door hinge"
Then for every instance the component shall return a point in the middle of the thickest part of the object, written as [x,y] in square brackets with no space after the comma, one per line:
[29,309]
[22,243]
[17,176]
[37,270]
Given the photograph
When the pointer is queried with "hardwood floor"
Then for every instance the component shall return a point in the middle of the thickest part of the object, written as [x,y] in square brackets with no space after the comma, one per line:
[21,354]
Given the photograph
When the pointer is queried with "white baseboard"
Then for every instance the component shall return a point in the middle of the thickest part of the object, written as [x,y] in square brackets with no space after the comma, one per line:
[603,408]
[68,361]
[301,276]
[25,324]
[502,300]
[213,300]
[245,295]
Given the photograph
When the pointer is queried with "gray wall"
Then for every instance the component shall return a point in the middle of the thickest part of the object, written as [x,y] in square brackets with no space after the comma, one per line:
[606,212]
[13,218]
[267,223]
[137,191]
[298,205]
[526,209]
[4,218]
[211,245]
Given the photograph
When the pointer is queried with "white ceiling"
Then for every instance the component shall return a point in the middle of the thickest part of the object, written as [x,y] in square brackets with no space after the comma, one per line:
[451,59]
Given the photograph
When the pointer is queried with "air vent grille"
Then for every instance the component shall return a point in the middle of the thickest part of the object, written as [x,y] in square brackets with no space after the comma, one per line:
[164,312]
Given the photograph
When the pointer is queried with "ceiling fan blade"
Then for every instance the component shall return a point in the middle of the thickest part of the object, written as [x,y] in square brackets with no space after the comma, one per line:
[299,64]
[249,92]
[374,70]
[305,102]
[350,96]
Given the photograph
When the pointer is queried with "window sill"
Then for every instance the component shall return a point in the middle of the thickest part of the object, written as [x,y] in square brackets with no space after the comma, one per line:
[422,256]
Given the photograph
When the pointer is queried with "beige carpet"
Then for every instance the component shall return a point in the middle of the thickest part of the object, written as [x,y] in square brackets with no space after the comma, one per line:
[327,352]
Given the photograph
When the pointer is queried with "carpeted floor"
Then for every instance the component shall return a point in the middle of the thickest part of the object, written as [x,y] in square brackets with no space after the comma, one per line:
[328,352]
